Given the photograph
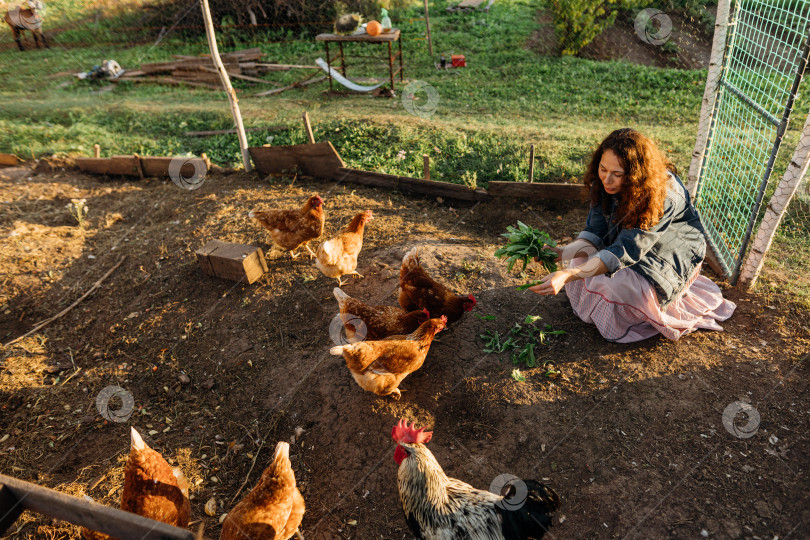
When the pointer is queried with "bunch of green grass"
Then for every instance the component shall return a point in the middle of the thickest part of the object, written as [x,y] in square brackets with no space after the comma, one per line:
[526,243]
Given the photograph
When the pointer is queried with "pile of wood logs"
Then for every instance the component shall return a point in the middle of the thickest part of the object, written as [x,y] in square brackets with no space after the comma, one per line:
[244,65]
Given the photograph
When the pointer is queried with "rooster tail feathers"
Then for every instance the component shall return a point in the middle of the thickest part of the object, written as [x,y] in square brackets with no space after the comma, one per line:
[541,497]
[534,518]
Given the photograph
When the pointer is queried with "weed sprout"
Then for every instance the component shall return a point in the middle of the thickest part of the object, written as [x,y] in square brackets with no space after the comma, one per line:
[78,209]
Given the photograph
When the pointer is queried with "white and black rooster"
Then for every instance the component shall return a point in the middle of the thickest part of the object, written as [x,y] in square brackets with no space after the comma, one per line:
[441,508]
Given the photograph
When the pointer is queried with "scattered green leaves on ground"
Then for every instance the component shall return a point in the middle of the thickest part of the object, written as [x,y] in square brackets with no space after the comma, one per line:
[525,243]
[522,340]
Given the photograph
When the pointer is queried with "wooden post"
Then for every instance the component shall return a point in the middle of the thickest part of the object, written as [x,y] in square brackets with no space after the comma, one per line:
[139,164]
[709,93]
[796,171]
[427,23]
[96,150]
[531,163]
[309,128]
[226,84]
[426,166]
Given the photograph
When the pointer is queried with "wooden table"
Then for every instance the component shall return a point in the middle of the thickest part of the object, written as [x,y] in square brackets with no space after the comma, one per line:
[387,37]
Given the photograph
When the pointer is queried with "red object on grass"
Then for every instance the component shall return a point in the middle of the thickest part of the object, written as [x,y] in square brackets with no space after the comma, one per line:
[457,60]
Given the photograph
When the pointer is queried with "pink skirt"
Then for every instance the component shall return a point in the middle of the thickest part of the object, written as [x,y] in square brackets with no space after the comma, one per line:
[625,308]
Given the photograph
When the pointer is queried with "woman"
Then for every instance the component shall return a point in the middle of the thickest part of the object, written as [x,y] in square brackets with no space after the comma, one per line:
[635,269]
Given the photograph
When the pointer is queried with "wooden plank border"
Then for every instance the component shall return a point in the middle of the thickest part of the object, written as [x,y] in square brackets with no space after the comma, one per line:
[413,185]
[140,166]
[321,160]
[539,190]
[17,494]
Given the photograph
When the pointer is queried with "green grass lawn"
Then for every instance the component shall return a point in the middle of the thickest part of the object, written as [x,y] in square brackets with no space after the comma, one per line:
[487,115]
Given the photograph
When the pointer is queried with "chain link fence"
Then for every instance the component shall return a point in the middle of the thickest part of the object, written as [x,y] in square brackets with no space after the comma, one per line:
[766,53]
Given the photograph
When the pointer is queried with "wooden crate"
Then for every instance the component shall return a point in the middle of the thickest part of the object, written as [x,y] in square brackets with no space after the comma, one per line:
[236,262]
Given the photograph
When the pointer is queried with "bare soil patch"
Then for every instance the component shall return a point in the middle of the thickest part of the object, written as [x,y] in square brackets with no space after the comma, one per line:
[631,436]
[688,46]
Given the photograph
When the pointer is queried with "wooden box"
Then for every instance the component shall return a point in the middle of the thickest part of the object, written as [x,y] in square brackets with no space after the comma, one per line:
[236,262]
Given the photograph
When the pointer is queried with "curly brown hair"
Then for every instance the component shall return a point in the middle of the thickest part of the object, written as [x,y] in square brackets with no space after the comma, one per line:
[645,180]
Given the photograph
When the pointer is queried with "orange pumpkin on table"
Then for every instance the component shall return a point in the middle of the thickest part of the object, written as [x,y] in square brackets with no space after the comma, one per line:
[373,28]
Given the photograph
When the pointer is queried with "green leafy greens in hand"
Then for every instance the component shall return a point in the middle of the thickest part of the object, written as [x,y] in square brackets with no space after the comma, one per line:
[526,243]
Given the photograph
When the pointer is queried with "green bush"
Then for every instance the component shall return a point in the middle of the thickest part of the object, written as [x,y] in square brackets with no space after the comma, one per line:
[578,22]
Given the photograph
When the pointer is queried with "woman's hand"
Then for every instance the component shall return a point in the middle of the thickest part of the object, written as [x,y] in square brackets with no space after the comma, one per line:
[556,249]
[552,283]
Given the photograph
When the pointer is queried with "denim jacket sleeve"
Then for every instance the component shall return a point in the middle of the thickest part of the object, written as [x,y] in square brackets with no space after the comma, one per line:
[632,245]
[596,227]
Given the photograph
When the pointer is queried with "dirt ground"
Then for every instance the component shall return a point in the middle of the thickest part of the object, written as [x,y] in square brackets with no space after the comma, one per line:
[630,436]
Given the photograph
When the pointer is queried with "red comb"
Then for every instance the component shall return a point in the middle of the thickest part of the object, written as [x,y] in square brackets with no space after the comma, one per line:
[444,319]
[404,433]
[426,312]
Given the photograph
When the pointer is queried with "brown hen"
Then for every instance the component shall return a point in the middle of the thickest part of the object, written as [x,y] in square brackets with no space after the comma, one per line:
[420,291]
[151,488]
[273,510]
[338,256]
[376,322]
[379,366]
[291,228]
